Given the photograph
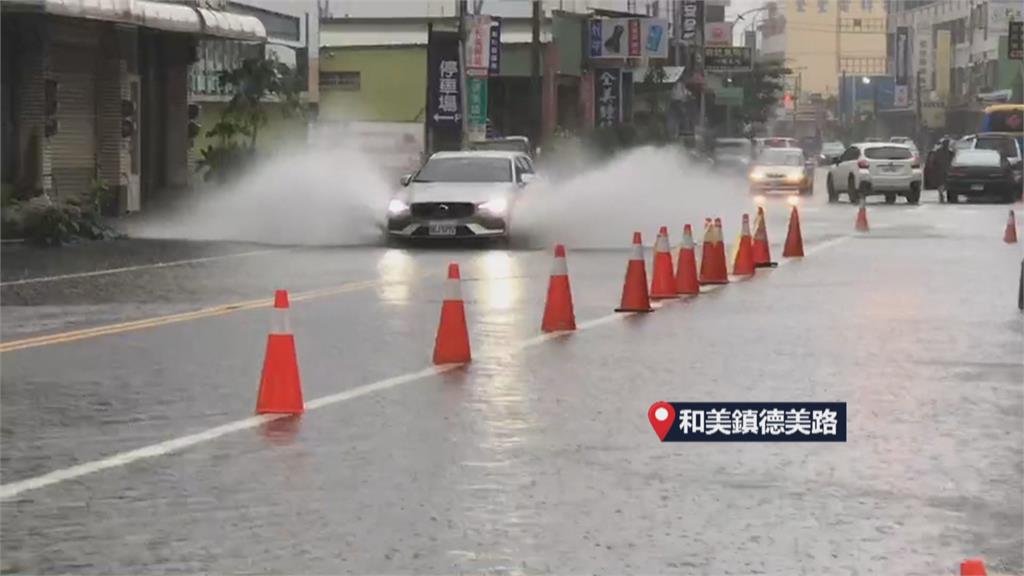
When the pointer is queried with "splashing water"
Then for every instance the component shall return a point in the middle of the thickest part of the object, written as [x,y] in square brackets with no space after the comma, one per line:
[336,195]
[324,196]
[637,190]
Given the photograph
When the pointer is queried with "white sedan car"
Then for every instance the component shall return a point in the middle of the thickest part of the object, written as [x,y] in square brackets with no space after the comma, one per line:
[876,168]
[468,194]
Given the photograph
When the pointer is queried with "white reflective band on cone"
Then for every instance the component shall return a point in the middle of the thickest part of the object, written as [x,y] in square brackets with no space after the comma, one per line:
[661,244]
[452,290]
[638,252]
[759,231]
[687,242]
[746,227]
[279,323]
[559,267]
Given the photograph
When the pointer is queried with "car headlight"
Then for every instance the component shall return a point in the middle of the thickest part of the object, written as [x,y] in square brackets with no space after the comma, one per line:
[397,206]
[756,176]
[496,206]
[794,177]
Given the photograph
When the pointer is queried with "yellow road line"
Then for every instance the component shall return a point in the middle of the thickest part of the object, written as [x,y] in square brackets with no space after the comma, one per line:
[180,317]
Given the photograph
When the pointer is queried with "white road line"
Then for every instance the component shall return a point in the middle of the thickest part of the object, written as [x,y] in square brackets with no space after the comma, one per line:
[13,489]
[139,267]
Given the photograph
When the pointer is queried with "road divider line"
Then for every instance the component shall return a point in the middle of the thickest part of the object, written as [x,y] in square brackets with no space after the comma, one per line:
[139,267]
[84,333]
[13,489]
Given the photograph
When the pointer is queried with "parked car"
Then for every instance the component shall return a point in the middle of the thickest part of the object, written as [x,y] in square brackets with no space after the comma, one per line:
[830,151]
[782,170]
[1006,144]
[981,172]
[876,168]
[468,194]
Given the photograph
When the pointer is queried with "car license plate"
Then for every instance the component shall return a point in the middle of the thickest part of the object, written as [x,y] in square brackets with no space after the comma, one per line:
[889,168]
[441,229]
[977,187]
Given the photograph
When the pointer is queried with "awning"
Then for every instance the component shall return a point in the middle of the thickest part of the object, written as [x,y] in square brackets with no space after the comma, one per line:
[151,14]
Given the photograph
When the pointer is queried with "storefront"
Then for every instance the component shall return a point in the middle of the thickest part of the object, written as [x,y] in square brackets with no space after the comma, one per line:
[97,93]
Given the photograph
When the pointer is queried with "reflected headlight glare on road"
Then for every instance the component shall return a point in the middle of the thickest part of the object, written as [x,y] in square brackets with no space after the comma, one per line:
[760,199]
[496,206]
[794,200]
[397,206]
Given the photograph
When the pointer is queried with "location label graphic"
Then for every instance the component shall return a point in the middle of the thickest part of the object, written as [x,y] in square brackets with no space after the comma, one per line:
[748,421]
[662,415]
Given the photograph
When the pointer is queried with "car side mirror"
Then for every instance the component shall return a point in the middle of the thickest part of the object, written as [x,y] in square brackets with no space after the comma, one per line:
[525,178]
[406,179]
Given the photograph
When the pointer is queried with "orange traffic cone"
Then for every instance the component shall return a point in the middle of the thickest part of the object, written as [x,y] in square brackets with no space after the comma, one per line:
[972,567]
[862,217]
[794,247]
[452,343]
[634,289]
[558,313]
[720,246]
[743,265]
[712,261]
[280,388]
[1010,235]
[686,273]
[663,281]
[762,252]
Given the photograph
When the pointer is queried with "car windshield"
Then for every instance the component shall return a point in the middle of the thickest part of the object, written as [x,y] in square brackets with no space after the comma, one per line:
[466,169]
[888,153]
[781,157]
[1004,146]
[977,157]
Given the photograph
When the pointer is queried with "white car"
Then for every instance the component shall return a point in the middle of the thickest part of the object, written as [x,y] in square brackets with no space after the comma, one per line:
[876,168]
[468,194]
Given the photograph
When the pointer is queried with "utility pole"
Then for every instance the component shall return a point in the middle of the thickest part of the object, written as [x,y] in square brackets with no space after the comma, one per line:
[844,116]
[536,107]
[677,31]
[917,93]
[462,10]
[839,49]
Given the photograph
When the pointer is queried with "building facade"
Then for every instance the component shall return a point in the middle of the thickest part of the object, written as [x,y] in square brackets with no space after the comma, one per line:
[97,91]
[821,40]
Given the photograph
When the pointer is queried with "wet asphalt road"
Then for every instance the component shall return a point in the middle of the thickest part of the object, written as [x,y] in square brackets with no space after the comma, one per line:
[538,457]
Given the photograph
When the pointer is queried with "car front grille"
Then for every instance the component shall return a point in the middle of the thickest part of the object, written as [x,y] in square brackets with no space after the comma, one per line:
[442,210]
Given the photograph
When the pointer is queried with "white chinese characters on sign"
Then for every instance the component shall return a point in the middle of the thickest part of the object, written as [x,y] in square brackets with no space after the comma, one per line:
[608,101]
[448,87]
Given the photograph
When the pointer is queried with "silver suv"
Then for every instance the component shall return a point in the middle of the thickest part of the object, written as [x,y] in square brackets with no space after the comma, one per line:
[876,168]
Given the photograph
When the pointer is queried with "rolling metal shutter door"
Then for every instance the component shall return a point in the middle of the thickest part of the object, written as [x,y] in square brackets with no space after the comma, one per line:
[73,148]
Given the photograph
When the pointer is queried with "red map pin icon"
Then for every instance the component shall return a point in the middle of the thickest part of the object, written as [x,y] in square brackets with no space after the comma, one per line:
[661,415]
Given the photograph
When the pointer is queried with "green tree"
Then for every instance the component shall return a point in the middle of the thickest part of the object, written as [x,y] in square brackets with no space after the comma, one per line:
[254,83]
[763,87]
